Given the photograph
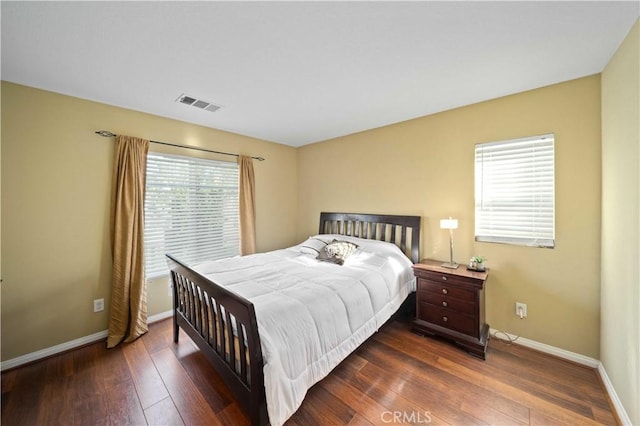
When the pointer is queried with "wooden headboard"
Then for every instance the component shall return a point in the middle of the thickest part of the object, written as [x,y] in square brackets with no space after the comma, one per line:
[376,227]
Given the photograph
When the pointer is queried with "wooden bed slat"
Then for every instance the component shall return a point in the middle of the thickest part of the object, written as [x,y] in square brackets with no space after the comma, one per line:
[214,324]
[403,237]
[231,350]
[223,340]
[242,352]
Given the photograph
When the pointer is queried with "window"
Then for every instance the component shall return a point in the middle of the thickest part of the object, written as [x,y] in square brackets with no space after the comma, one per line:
[515,191]
[191,211]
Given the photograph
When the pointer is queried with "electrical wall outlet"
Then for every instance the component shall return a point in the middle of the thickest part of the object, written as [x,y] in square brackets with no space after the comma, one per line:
[98,305]
[521,310]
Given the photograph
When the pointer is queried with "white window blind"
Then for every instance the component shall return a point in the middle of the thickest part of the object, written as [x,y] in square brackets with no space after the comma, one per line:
[191,211]
[514,191]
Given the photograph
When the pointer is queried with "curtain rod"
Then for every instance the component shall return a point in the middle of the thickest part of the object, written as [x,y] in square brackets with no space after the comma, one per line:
[108,134]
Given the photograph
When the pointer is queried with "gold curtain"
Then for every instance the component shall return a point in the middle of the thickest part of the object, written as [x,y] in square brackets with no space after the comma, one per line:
[247,206]
[128,314]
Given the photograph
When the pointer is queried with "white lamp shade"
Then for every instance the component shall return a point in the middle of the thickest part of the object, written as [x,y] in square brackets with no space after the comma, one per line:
[449,223]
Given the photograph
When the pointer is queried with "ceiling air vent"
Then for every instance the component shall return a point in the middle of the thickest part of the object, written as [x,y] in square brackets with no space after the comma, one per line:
[198,103]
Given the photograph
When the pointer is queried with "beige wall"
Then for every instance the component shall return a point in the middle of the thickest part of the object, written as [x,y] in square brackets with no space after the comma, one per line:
[56,182]
[56,177]
[620,342]
[425,167]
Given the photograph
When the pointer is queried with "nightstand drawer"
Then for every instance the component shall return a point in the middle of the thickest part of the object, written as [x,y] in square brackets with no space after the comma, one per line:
[445,289]
[445,278]
[447,318]
[444,301]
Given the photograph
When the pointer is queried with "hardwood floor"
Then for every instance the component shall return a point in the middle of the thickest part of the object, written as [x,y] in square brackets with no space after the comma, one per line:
[394,377]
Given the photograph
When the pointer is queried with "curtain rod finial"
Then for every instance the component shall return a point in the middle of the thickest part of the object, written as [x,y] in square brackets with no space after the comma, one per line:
[105,133]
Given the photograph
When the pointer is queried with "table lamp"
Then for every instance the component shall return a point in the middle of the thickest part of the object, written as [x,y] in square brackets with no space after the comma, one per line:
[450,224]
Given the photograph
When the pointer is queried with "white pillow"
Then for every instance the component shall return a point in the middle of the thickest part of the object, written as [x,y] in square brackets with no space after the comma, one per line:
[311,246]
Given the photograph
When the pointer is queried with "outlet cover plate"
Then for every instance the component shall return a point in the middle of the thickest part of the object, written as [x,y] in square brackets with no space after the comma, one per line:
[98,305]
[522,306]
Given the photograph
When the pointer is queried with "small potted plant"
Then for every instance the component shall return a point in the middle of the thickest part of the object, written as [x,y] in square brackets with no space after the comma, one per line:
[477,263]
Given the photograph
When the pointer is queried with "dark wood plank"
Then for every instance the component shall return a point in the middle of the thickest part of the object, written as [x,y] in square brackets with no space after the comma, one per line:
[154,381]
[358,420]
[367,407]
[560,413]
[123,405]
[513,381]
[323,408]
[552,378]
[59,402]
[544,367]
[8,380]
[604,416]
[158,337]
[93,410]
[163,413]
[113,368]
[424,367]
[348,372]
[192,406]
[421,398]
[87,387]
[418,371]
[232,415]
[25,400]
[203,376]
[148,382]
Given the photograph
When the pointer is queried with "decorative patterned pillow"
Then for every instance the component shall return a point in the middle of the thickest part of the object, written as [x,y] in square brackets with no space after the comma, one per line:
[312,246]
[337,252]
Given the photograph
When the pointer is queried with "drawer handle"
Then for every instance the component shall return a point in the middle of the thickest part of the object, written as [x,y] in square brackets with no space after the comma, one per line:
[445,304]
[444,278]
[445,319]
[445,291]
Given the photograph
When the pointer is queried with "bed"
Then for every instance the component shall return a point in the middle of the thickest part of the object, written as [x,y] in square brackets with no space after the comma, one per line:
[310,314]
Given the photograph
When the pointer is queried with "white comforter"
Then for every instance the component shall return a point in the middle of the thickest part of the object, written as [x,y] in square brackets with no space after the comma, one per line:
[312,314]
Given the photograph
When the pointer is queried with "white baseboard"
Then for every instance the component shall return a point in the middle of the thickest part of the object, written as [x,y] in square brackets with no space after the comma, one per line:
[160,316]
[76,343]
[548,349]
[577,358]
[53,350]
[617,404]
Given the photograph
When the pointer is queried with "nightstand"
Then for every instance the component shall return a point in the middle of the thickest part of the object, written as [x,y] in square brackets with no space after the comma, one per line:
[450,304]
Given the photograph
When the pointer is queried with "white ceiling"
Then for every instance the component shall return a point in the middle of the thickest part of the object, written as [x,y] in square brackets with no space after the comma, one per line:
[301,72]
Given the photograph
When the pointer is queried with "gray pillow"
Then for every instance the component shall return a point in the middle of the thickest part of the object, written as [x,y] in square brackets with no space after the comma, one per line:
[337,252]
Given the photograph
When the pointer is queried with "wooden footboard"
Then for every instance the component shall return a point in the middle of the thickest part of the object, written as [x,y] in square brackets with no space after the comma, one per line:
[223,325]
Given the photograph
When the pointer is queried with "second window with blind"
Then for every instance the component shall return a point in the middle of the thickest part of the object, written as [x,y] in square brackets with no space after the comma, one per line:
[515,191]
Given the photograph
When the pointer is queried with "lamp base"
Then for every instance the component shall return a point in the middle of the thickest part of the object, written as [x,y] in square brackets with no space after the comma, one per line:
[450,265]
